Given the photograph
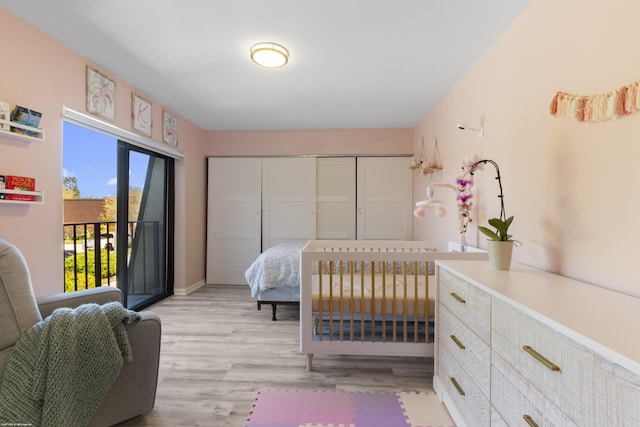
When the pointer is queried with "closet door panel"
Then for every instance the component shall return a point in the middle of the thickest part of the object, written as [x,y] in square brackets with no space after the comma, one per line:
[288,200]
[385,198]
[233,218]
[336,198]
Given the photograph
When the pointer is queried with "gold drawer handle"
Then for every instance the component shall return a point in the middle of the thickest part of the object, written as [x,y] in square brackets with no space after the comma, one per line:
[529,420]
[458,297]
[540,358]
[457,341]
[457,386]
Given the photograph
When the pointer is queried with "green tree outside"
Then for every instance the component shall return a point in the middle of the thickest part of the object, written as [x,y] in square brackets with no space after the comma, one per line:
[87,264]
[70,189]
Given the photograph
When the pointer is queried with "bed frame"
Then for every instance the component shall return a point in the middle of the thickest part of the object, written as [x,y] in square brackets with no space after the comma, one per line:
[371,297]
[274,306]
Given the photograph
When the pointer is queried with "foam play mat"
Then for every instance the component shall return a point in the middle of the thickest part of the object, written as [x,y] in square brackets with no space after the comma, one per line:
[304,408]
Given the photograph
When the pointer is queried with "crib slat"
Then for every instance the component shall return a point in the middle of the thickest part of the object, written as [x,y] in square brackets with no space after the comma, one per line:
[426,301]
[352,300]
[373,302]
[404,302]
[331,266]
[395,302]
[341,302]
[362,268]
[384,301]
[320,271]
[416,276]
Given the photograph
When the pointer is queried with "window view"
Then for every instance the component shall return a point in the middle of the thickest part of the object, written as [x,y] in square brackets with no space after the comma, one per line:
[110,224]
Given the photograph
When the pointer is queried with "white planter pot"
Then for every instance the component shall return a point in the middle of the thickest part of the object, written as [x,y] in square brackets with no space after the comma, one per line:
[500,254]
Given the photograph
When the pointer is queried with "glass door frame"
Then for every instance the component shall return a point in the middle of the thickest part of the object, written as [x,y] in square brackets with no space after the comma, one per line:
[122,217]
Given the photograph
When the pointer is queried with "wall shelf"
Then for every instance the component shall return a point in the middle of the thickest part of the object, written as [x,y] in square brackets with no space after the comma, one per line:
[5,130]
[37,195]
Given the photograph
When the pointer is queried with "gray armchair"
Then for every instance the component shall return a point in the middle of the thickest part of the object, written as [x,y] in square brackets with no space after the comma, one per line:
[134,390]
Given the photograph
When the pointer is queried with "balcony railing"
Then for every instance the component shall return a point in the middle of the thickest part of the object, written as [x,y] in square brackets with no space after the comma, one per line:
[91,261]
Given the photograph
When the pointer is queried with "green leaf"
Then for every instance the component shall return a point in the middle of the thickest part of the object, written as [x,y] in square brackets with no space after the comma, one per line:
[490,234]
[509,221]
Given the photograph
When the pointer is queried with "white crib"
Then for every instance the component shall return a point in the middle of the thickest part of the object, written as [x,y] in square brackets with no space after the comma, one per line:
[371,297]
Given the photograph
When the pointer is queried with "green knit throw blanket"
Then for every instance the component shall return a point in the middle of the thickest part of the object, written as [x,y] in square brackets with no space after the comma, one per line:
[60,370]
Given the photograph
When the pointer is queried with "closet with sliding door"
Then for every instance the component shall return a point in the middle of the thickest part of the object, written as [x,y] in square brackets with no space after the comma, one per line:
[254,203]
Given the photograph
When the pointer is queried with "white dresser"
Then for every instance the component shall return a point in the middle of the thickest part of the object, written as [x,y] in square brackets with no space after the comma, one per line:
[531,348]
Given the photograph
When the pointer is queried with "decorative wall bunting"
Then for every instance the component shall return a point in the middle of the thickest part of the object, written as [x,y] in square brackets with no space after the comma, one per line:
[599,107]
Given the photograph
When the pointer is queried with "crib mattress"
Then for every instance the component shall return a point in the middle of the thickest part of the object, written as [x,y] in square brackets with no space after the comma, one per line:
[338,296]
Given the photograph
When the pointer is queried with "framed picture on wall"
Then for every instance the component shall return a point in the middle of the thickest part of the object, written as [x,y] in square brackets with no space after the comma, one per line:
[169,128]
[101,94]
[141,114]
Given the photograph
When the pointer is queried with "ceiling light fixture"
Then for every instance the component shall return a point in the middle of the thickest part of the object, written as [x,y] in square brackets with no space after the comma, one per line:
[269,55]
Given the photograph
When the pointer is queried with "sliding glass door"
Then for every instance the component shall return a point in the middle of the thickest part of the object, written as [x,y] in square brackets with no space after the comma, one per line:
[126,238]
[145,201]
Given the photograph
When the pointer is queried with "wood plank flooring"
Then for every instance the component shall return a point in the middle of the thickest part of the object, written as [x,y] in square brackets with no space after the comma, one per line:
[218,351]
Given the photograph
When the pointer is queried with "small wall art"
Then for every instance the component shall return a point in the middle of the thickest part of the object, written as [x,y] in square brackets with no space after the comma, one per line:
[169,128]
[101,94]
[141,116]
[597,107]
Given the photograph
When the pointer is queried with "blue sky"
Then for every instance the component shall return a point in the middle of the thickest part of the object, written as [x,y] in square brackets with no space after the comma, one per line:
[91,158]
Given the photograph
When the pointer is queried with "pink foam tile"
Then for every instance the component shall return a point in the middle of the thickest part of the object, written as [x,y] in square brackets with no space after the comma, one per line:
[276,408]
[326,425]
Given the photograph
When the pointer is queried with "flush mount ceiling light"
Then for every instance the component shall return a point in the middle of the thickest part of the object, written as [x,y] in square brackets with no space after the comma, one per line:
[270,55]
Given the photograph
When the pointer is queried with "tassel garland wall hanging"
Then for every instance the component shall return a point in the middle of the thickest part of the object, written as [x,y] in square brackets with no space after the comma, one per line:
[599,107]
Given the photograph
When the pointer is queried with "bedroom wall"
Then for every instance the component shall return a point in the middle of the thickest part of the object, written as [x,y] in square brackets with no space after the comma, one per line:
[46,76]
[570,185]
[38,72]
[310,142]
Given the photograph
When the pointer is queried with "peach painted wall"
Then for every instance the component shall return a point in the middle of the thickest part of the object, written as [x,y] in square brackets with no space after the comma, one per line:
[310,142]
[570,185]
[39,73]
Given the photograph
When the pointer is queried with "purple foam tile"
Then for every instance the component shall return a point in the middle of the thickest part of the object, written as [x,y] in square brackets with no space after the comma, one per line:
[378,410]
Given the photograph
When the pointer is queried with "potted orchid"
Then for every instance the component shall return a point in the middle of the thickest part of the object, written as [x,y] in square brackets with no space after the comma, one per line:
[500,244]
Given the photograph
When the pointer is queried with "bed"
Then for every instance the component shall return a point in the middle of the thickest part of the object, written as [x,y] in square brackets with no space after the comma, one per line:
[371,297]
[274,277]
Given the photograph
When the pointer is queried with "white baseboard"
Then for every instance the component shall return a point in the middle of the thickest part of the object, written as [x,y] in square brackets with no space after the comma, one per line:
[189,289]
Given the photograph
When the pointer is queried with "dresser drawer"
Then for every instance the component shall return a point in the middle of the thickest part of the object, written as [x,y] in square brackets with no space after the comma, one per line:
[471,402]
[555,365]
[467,302]
[518,403]
[471,352]
[496,419]
[617,398]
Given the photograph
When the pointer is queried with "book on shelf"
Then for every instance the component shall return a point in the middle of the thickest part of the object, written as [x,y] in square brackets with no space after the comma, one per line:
[18,197]
[25,116]
[13,182]
[4,114]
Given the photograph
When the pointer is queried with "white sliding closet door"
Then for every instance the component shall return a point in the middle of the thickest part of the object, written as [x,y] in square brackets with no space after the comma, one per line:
[385,198]
[233,218]
[288,200]
[336,198]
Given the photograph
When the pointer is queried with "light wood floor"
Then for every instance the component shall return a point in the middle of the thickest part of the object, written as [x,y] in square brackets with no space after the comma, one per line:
[218,351]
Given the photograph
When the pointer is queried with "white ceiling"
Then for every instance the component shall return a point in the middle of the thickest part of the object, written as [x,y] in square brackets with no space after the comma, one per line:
[353,63]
